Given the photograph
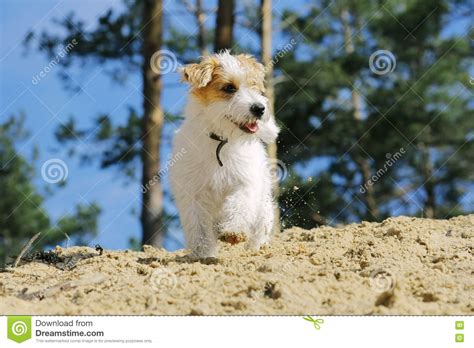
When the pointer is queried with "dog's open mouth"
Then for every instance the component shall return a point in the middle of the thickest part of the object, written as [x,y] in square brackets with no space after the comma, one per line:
[250,127]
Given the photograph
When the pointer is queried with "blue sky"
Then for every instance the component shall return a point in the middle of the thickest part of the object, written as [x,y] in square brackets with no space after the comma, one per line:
[47,104]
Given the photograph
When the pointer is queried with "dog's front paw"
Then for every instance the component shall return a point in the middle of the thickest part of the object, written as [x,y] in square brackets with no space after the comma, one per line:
[269,131]
[201,257]
[232,237]
[254,246]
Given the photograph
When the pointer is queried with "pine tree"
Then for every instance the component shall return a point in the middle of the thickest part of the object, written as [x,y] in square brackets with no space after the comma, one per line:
[267,60]
[377,135]
[21,206]
[129,37]
[224,33]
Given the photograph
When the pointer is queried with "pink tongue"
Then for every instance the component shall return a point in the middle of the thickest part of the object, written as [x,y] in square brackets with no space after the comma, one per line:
[252,127]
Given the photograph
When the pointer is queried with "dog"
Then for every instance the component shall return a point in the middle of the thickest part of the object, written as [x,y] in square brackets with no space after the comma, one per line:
[222,182]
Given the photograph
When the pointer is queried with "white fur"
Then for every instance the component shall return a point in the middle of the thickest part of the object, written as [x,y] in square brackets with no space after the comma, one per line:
[237,197]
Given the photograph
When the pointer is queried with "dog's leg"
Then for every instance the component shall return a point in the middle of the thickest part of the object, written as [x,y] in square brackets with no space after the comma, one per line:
[197,226]
[263,227]
[238,215]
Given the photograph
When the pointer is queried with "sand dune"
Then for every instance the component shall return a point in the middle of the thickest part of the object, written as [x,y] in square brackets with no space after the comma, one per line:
[400,266]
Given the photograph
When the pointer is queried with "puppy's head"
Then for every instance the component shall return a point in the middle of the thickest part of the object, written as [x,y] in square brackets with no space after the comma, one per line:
[230,91]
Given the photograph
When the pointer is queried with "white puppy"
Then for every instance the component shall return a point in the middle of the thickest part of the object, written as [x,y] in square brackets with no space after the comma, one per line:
[222,181]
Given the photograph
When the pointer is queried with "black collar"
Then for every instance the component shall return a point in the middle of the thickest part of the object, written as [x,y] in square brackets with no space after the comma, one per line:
[222,142]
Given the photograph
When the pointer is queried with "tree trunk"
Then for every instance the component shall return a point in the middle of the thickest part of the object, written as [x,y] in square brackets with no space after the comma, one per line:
[361,160]
[4,248]
[429,185]
[201,18]
[369,197]
[198,12]
[266,42]
[224,25]
[152,203]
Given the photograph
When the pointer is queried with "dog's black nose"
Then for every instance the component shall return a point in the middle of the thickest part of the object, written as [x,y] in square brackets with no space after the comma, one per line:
[257,109]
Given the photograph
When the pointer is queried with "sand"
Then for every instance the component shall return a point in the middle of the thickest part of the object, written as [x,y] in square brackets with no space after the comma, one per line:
[400,266]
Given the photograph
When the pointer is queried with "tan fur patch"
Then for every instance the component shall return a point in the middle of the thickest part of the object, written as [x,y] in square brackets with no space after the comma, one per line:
[200,74]
[213,91]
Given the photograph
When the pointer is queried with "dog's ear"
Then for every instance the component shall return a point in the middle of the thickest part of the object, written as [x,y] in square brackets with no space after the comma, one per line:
[199,74]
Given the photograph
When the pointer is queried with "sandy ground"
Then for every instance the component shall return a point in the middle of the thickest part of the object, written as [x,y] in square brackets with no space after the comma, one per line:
[401,266]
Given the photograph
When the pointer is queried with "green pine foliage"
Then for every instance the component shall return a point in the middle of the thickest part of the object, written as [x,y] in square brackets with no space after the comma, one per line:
[423,107]
[21,205]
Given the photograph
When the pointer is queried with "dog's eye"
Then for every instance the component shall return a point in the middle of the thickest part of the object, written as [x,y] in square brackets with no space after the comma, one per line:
[263,94]
[229,88]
